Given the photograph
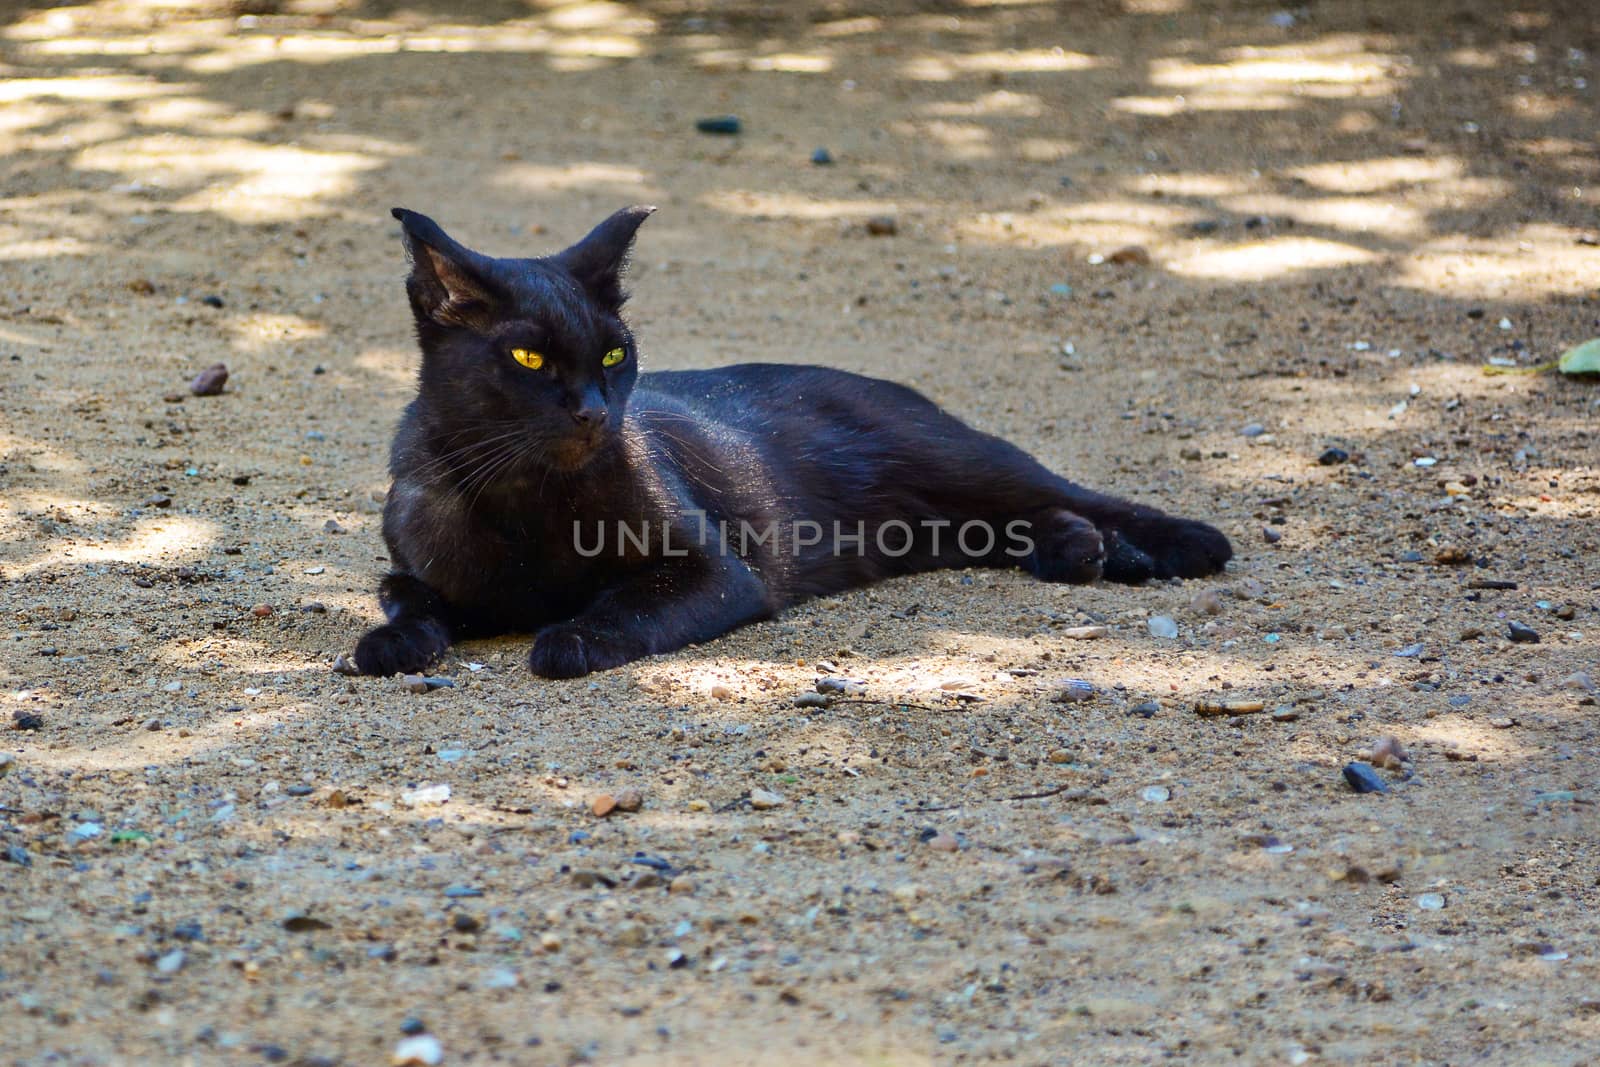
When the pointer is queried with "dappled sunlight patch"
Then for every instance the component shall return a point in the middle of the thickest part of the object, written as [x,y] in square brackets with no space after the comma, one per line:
[1188,184]
[560,178]
[792,63]
[48,248]
[199,115]
[1532,263]
[762,205]
[960,140]
[396,365]
[1107,222]
[945,66]
[1380,174]
[236,178]
[1354,214]
[261,331]
[999,103]
[88,87]
[1168,106]
[1275,257]
[163,539]
[1357,73]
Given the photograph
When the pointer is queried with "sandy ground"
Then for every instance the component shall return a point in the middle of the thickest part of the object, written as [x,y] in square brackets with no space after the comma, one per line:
[221,852]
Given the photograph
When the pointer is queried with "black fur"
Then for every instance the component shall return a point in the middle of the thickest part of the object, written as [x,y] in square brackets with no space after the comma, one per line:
[505,478]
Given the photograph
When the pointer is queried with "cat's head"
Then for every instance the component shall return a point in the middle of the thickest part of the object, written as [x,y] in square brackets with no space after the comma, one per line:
[530,356]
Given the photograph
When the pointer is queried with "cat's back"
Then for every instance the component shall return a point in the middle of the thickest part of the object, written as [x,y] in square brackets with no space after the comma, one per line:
[767,399]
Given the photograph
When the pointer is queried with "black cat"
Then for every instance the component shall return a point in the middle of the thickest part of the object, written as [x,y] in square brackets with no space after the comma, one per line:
[541,484]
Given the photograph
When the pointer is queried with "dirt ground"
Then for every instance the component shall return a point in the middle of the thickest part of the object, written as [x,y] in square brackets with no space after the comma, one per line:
[219,851]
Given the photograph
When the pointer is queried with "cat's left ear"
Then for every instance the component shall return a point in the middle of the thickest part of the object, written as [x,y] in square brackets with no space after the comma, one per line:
[597,261]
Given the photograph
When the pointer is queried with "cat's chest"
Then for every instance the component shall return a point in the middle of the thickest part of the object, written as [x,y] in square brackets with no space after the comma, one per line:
[514,547]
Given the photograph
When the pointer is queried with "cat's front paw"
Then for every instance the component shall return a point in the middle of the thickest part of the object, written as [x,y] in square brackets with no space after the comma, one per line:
[568,650]
[1164,546]
[399,648]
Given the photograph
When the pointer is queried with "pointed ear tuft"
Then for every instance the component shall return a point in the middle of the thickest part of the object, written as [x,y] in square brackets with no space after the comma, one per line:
[449,283]
[599,260]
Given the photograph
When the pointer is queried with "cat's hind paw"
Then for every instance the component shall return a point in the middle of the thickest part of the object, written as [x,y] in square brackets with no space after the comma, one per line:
[1164,546]
[1066,548]
[400,648]
[568,650]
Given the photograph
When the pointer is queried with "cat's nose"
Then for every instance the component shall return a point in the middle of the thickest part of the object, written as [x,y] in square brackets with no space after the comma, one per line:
[589,415]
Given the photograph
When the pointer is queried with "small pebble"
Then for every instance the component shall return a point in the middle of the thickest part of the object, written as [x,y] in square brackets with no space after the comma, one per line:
[603,805]
[943,843]
[630,800]
[1579,680]
[683,885]
[724,125]
[1207,603]
[171,963]
[426,796]
[1521,633]
[822,157]
[1333,457]
[1389,754]
[210,382]
[1073,691]
[1363,779]
[811,700]
[261,611]
[1130,256]
[1084,633]
[1148,710]
[721,692]
[422,1050]
[1162,626]
[1252,429]
[883,226]
[763,799]
[27,720]
[342,665]
[1271,534]
[7,762]
[1431,902]
[413,683]
[1155,794]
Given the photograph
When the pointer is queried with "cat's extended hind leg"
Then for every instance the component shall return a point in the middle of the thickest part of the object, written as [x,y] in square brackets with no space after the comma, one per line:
[1066,547]
[416,634]
[1143,542]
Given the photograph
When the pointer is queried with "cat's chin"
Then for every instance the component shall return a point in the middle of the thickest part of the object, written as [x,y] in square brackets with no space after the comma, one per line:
[573,455]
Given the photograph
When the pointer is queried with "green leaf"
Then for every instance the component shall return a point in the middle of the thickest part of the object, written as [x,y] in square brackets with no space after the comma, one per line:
[1582,359]
[119,837]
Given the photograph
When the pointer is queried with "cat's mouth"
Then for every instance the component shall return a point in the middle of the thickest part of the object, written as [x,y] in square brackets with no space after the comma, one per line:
[574,452]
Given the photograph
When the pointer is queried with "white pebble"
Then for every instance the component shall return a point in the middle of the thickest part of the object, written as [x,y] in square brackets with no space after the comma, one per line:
[762,799]
[427,795]
[1162,626]
[1431,902]
[423,1050]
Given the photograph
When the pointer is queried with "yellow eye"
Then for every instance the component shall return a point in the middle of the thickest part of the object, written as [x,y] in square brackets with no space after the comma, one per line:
[528,358]
[613,357]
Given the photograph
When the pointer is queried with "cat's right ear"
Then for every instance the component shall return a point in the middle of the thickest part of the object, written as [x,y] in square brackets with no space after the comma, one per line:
[449,283]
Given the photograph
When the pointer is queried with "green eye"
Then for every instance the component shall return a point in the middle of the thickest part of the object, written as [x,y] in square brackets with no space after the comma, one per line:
[613,357]
[528,358]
